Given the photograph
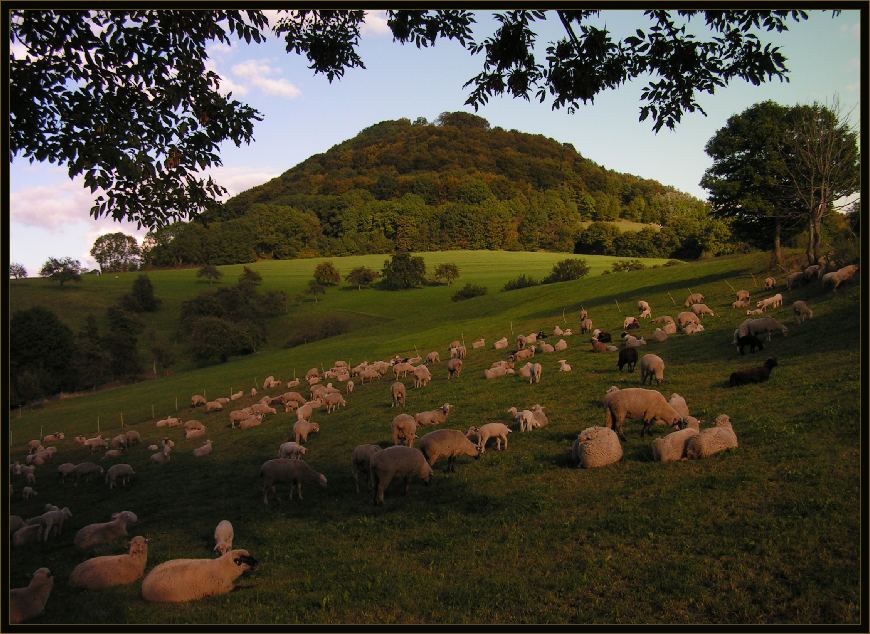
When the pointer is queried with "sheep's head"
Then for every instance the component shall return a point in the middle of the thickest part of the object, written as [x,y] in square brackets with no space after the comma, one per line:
[321,480]
[242,558]
[472,431]
[722,420]
[138,546]
[446,408]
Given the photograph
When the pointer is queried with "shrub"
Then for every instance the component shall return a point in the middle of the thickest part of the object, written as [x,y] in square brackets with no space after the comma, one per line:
[361,276]
[447,272]
[523,281]
[627,265]
[567,270]
[141,297]
[468,291]
[403,271]
[326,274]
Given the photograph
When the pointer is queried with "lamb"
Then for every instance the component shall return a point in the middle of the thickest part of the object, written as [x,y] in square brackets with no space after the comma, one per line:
[524,419]
[269,382]
[560,345]
[532,372]
[692,329]
[630,341]
[422,376]
[262,408]
[802,311]
[545,348]
[398,392]
[752,341]
[361,460]
[180,580]
[484,433]
[197,399]
[112,570]
[568,332]
[455,343]
[596,447]
[672,447]
[293,383]
[223,400]
[659,335]
[643,307]
[584,314]
[237,395]
[397,462]
[702,309]
[162,456]
[636,402]
[774,301]
[679,404]
[52,521]
[204,450]
[333,401]
[769,282]
[65,470]
[753,375]
[301,429]
[630,323]
[193,424]
[102,533]
[223,537]
[305,411]
[433,358]
[28,602]
[251,422]
[755,311]
[479,343]
[55,437]
[495,372]
[133,437]
[564,366]
[121,473]
[758,326]
[501,344]
[557,331]
[687,318]
[401,369]
[349,387]
[712,440]
[585,325]
[454,368]
[433,417]
[627,357]
[694,298]
[742,296]
[294,472]
[238,415]
[86,470]
[652,366]
[670,328]
[292,450]
[447,443]
[521,355]
[27,534]
[404,428]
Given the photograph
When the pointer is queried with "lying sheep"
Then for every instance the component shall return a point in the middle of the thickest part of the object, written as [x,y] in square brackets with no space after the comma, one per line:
[627,357]
[664,319]
[742,296]
[238,415]
[133,437]
[630,341]
[639,403]
[643,307]
[498,371]
[235,396]
[769,282]
[669,328]
[162,456]
[112,570]
[55,437]
[454,368]
[759,326]
[686,317]
[28,602]
[301,429]
[564,366]
[478,343]
[433,417]
[102,533]
[500,344]
[422,376]
[597,346]
[293,383]
[693,329]
[120,473]
[196,400]
[204,450]
[223,537]
[292,450]
[545,348]
[397,462]
[802,311]
[28,534]
[659,335]
[712,440]
[193,434]
[702,309]
[652,366]
[596,447]
[294,472]
[361,458]
[694,298]
[752,375]
[498,431]
[679,404]
[630,323]
[774,301]
[672,447]
[560,345]
[180,580]
[449,444]
[214,406]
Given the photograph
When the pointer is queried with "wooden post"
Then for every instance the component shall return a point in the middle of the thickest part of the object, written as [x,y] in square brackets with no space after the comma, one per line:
[617,307]
[98,424]
[416,352]
[122,420]
[672,298]
[754,281]
[512,327]
[152,411]
[563,315]
[729,285]
[176,403]
[40,433]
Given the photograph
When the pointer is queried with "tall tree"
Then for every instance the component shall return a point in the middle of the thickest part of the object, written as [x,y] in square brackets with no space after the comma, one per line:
[17,271]
[361,276]
[447,272]
[116,252]
[403,271]
[121,342]
[62,270]
[41,348]
[210,273]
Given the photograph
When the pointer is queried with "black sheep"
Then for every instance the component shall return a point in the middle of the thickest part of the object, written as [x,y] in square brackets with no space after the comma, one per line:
[752,341]
[627,356]
[604,337]
[753,375]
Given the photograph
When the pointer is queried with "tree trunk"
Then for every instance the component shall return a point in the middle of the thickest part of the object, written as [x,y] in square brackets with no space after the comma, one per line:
[777,245]
[810,239]
[817,239]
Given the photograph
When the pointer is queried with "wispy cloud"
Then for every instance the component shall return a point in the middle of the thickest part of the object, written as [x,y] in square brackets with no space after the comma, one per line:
[238,179]
[375,23]
[261,74]
[227,84]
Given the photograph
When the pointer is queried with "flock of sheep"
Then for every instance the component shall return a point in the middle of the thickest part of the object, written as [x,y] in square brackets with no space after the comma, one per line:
[376,467]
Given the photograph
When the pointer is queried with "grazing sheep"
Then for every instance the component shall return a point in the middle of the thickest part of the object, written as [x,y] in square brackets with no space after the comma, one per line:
[433,358]
[794,278]
[349,387]
[669,328]
[112,570]
[396,462]
[769,282]
[627,357]
[292,450]
[180,580]
[712,440]
[196,400]
[404,428]
[596,447]
[774,301]
[204,450]
[454,368]
[740,303]
[802,311]
[659,335]
[652,366]
[564,366]
[672,447]
[223,537]
[498,431]
[301,429]
[447,443]
[458,352]
[361,460]
[65,470]
[752,341]
[133,438]
[694,298]
[333,401]
[679,404]
[294,472]
[702,309]
[28,602]
[635,402]
[759,326]
[120,473]
[102,533]
[433,417]
[840,276]
[397,393]
[86,470]
[422,376]
[585,325]
[692,329]
[501,344]
[686,317]
[752,375]
[630,341]
[55,437]
[630,323]
[602,335]
[742,296]
[52,521]
[305,411]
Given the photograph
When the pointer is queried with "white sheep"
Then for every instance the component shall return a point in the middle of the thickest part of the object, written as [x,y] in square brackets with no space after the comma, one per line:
[214,406]
[65,470]
[422,376]
[775,301]
[560,345]
[193,434]
[301,429]
[162,456]
[713,439]
[498,371]
[292,450]
[180,580]
[755,311]
[532,372]
[639,403]
[305,410]
[742,295]
[585,325]
[630,322]
[702,309]
[398,392]
[86,470]
[557,332]
[840,276]
[167,422]
[687,317]
[133,438]
[478,343]
[644,309]
[694,298]
[294,472]
[740,303]
[397,462]
[692,329]
[564,366]
[759,326]
[28,534]
[55,437]
[596,447]
[484,433]
[449,444]
[652,366]
[672,447]
[203,450]
[349,387]
[659,335]
[802,311]
[361,463]
[545,348]
[404,428]
[500,344]
[52,521]
[523,418]
[433,417]
[112,570]
[101,533]
[121,473]
[237,395]
[28,602]
[794,279]
[223,537]
[196,400]
[333,401]
[630,341]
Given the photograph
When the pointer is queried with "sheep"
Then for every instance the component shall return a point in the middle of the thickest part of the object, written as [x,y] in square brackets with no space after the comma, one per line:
[478,343]
[545,348]
[636,402]
[694,298]
[755,311]
[294,472]
[742,296]
[15,522]
[702,309]
[672,447]
[560,345]
[197,399]
[630,341]
[179,580]
[403,428]
[686,317]
[203,450]
[251,421]
[65,470]
[500,370]
[643,307]
[55,437]
[237,395]
[422,376]
[433,417]
[223,400]
[692,329]
[840,276]
[120,473]
[602,335]
[652,366]
[433,357]
[521,355]
[171,421]
[162,456]
[597,346]
[397,394]
[500,344]
[28,602]
[395,462]
[533,372]
[349,387]
[769,282]
[525,419]
[564,366]
[659,335]
[86,470]
[312,373]
[539,418]
[223,537]
[102,533]
[712,440]
[292,450]
[133,437]
[305,411]
[447,443]
[484,433]
[361,459]
[52,521]
[795,278]
[802,311]
[333,401]
[630,323]
[30,477]
[752,375]
[557,331]
[627,357]
[261,408]
[213,406]
[584,314]
[752,341]
[454,368]
[596,447]
[112,570]
[269,382]
[759,326]
[238,415]
[293,383]
[193,434]
[27,534]
[585,325]
[301,429]
[112,453]
[775,301]
[740,303]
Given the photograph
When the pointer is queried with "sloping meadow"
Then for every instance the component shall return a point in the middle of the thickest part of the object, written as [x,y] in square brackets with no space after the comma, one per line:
[766,533]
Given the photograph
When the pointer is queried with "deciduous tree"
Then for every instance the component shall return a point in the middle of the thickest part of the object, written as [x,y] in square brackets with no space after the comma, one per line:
[62,270]
[116,252]
[326,274]
[447,272]
[17,271]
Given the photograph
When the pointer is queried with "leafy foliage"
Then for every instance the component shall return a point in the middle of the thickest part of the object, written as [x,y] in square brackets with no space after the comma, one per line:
[627,265]
[17,271]
[523,281]
[210,273]
[468,291]
[41,349]
[62,269]
[120,341]
[447,272]
[567,270]
[403,271]
[216,339]
[314,289]
[116,252]
[326,274]
[361,276]
[141,297]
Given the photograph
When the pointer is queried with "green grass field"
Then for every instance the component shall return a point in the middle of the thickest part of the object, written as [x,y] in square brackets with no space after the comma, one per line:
[766,533]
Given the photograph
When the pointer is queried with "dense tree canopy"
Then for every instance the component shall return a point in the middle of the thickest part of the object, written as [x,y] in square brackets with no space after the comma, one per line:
[17,271]
[41,349]
[62,270]
[123,97]
[116,252]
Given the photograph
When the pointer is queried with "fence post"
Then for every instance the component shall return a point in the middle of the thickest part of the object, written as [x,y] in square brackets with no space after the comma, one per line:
[152,411]
[122,420]
[176,402]
[98,424]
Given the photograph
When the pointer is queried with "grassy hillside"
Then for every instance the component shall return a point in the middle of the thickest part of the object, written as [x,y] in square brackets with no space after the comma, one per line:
[766,533]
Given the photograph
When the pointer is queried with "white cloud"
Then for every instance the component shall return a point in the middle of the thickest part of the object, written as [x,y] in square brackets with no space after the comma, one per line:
[278,87]
[227,84]
[51,207]
[265,77]
[238,179]
[375,23]
[218,48]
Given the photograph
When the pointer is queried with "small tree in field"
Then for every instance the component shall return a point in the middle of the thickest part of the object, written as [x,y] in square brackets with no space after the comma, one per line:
[326,274]
[210,273]
[62,270]
[447,272]
[403,271]
[567,270]
[361,276]
[314,289]
[17,271]
[141,297]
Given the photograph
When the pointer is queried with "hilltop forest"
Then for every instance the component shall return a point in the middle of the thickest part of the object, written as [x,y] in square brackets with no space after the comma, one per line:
[456,183]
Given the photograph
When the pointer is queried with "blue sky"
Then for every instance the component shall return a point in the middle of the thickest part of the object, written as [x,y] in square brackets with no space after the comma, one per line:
[305,114]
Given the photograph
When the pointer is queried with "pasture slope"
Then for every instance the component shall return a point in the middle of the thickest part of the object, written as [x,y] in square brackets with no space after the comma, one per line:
[766,533]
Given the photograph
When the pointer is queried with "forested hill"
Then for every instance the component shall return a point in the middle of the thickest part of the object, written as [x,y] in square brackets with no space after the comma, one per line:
[456,183]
